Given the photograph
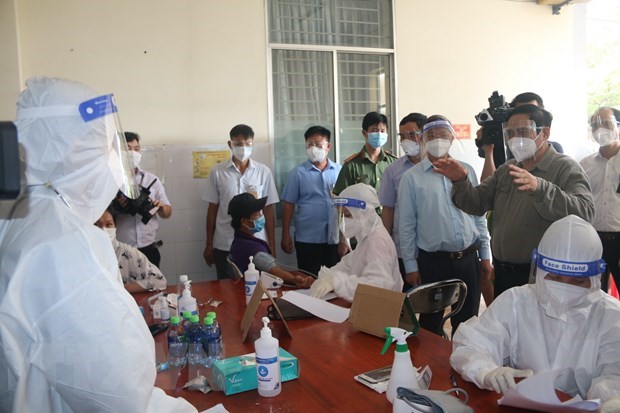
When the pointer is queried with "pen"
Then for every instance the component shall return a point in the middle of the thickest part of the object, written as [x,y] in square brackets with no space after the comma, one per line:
[454,383]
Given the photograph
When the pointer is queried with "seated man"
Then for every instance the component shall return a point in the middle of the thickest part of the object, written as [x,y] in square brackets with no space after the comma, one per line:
[562,321]
[374,261]
[247,220]
[138,273]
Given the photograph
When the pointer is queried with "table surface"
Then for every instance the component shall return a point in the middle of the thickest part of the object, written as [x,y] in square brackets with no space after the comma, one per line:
[329,356]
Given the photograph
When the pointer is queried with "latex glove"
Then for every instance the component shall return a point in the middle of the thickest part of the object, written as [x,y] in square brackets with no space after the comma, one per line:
[501,379]
[321,286]
[325,272]
[611,406]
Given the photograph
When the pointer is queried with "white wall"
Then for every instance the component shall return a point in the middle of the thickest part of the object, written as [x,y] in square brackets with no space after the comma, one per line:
[185,71]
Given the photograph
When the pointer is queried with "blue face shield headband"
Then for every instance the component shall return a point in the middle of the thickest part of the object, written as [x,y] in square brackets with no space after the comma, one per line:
[571,269]
[350,203]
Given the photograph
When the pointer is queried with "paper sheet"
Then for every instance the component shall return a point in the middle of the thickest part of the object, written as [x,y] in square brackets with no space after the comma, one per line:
[317,306]
[218,408]
[538,393]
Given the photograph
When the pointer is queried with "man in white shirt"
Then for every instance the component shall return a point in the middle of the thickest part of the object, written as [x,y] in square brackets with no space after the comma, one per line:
[131,228]
[603,170]
[238,175]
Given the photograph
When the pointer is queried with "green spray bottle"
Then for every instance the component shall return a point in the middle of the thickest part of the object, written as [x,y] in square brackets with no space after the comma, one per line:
[403,373]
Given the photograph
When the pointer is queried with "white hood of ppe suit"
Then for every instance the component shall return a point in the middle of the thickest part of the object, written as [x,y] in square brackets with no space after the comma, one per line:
[71,338]
[60,148]
[517,330]
[374,261]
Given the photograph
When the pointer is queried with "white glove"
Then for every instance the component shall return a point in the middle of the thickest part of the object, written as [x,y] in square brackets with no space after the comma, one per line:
[321,286]
[501,379]
[611,406]
[325,272]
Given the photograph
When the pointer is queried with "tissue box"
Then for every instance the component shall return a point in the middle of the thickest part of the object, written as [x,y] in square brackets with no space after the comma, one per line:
[238,374]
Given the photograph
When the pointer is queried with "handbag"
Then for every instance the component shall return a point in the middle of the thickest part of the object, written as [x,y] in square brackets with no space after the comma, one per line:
[430,401]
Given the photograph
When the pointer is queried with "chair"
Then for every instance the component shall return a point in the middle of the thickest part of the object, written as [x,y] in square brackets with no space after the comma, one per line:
[433,298]
[236,271]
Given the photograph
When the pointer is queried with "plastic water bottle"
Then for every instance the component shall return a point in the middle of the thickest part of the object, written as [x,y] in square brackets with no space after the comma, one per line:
[186,320]
[195,337]
[267,350]
[218,333]
[251,278]
[164,310]
[177,345]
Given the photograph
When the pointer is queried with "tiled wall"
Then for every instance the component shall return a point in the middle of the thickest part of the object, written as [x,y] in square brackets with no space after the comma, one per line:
[184,233]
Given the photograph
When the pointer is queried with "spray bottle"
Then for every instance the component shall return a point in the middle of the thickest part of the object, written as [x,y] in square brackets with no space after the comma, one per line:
[267,350]
[251,278]
[403,373]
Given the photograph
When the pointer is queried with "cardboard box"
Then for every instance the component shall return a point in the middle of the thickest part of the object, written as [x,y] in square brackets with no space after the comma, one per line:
[375,308]
[238,374]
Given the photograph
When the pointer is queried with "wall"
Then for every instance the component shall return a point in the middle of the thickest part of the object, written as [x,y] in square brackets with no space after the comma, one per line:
[185,71]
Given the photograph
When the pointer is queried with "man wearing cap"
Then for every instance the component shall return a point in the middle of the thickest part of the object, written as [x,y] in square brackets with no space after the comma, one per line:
[247,220]
[438,240]
[526,194]
[564,321]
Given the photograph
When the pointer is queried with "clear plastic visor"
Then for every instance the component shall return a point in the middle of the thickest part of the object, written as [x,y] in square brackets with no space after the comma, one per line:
[439,129]
[565,268]
[342,206]
[520,129]
[604,122]
[105,107]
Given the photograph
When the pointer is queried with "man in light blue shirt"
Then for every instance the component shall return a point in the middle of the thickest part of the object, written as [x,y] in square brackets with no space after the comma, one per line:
[438,241]
[309,187]
[410,134]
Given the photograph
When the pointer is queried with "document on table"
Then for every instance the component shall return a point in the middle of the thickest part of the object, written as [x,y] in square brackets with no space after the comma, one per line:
[538,393]
[317,306]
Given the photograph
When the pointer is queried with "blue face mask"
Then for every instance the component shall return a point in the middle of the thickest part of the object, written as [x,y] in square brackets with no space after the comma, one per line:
[259,224]
[377,139]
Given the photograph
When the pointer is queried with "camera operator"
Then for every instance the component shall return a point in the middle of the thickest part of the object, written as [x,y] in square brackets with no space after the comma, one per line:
[131,228]
[526,98]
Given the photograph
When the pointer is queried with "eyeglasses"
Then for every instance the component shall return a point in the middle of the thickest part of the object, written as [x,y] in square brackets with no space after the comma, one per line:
[523,132]
[410,135]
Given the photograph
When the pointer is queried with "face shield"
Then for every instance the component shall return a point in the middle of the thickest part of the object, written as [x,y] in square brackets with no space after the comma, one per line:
[522,138]
[119,158]
[349,212]
[437,138]
[604,129]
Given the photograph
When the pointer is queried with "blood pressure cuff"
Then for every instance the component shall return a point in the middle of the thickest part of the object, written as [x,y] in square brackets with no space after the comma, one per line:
[289,311]
[412,401]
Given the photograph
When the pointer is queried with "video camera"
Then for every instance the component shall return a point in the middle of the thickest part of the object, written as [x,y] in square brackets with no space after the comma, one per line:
[9,161]
[491,120]
[142,205]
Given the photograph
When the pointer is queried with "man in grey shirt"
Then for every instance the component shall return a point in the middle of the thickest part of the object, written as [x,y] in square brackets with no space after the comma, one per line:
[527,194]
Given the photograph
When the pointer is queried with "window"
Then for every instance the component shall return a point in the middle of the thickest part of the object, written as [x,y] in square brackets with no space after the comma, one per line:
[332,62]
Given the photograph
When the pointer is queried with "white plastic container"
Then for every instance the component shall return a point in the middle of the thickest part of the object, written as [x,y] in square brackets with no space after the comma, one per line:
[251,278]
[164,311]
[403,373]
[267,350]
[187,302]
[181,285]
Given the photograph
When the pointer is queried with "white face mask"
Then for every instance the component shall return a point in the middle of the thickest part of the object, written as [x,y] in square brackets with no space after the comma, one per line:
[410,147]
[605,137]
[562,297]
[135,158]
[438,148]
[522,148]
[351,228]
[316,155]
[111,233]
[241,153]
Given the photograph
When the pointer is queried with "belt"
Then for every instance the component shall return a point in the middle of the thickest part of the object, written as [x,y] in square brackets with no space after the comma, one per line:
[510,267]
[609,236]
[451,255]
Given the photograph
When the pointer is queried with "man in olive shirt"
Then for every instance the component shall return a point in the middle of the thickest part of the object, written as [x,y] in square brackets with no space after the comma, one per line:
[367,165]
[527,194]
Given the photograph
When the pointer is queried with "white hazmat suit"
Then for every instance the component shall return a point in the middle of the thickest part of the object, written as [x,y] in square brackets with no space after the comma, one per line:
[549,325]
[374,261]
[71,338]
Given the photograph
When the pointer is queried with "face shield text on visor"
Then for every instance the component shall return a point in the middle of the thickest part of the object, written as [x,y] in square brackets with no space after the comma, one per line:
[348,225]
[101,107]
[565,268]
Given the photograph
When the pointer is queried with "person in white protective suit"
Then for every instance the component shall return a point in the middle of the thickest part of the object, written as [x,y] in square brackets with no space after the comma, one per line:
[374,261]
[564,320]
[71,338]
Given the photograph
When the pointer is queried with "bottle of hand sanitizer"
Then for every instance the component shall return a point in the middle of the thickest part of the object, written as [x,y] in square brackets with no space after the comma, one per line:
[267,351]
[251,278]
[403,373]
